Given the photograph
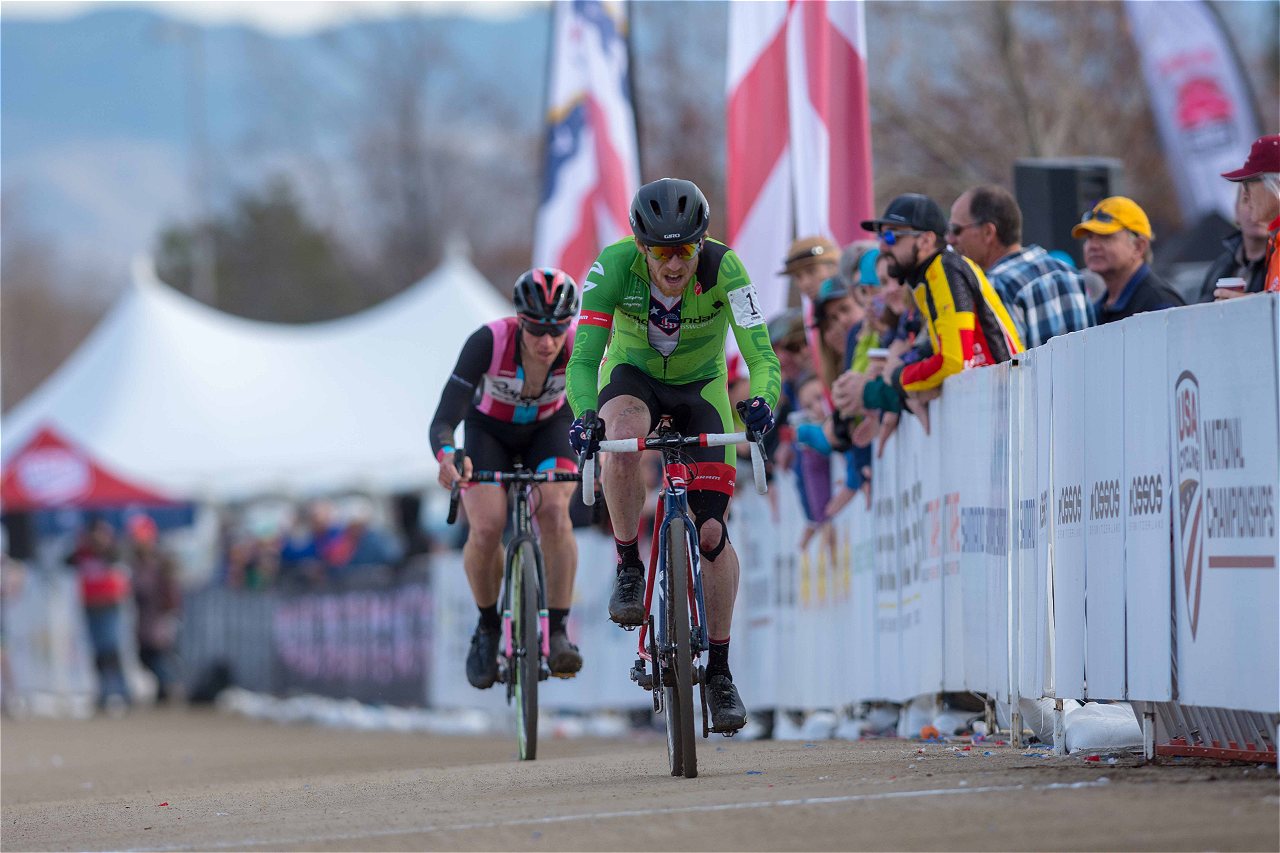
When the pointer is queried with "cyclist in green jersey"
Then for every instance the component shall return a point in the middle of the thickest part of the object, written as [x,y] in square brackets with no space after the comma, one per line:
[668,296]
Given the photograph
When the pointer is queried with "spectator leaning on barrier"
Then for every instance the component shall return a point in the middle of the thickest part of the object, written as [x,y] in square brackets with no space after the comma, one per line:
[1044,296]
[1244,255]
[967,323]
[1260,179]
[1117,246]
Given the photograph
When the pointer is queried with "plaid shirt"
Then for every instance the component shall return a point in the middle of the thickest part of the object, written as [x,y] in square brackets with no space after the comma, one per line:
[1044,296]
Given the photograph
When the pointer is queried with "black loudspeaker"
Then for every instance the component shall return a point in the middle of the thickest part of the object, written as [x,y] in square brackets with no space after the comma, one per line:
[1055,193]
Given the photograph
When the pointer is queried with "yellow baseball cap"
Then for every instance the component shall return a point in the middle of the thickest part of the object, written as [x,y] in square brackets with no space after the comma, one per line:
[1113,214]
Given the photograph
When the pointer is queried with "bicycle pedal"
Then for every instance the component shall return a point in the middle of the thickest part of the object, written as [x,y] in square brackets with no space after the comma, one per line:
[640,676]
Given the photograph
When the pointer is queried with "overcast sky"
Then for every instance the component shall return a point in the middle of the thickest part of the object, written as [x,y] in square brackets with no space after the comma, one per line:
[281,18]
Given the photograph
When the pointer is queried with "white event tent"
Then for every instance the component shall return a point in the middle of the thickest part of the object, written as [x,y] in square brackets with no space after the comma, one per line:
[208,406]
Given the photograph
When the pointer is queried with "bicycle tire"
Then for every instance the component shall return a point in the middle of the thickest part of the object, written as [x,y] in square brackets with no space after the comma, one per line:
[528,649]
[681,744]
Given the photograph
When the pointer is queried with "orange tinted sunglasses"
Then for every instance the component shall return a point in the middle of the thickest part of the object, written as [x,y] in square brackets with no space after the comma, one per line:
[685,251]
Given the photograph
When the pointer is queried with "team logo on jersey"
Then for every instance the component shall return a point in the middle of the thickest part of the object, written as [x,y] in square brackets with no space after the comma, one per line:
[666,319]
[596,268]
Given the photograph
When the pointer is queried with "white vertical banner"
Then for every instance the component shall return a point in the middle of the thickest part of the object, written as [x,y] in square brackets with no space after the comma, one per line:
[949,412]
[884,493]
[928,663]
[1199,97]
[1223,440]
[1045,518]
[1104,413]
[862,603]
[592,166]
[1069,515]
[996,535]
[1030,635]
[911,439]
[754,525]
[1149,503]
[973,388]
[759,220]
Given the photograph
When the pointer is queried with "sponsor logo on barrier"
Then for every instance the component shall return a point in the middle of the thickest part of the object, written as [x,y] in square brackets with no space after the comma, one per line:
[1044,509]
[985,530]
[1070,505]
[1027,524]
[1146,495]
[1104,500]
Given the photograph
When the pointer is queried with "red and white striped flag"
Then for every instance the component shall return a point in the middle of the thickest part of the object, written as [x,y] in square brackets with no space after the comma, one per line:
[799,128]
[592,168]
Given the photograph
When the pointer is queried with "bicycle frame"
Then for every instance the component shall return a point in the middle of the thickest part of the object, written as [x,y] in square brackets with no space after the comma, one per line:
[675,504]
[522,523]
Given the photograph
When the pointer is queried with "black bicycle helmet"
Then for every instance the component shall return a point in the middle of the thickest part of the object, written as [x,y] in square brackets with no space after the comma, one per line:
[546,295]
[669,212]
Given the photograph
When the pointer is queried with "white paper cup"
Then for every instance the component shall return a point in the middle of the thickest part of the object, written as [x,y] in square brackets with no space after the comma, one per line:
[1232,284]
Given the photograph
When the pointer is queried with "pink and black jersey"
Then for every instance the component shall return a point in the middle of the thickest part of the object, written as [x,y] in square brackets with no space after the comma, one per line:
[490,379]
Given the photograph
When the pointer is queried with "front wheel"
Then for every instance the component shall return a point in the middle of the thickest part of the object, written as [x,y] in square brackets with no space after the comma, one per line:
[524,578]
[681,745]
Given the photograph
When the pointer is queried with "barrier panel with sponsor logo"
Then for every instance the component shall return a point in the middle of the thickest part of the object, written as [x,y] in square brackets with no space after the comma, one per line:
[1223,440]
[1067,565]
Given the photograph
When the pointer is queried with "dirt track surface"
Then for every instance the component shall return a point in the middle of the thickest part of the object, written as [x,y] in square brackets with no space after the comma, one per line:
[236,784]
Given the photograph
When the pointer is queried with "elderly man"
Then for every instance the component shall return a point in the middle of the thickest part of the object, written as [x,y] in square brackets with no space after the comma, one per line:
[1259,178]
[1045,296]
[1117,246]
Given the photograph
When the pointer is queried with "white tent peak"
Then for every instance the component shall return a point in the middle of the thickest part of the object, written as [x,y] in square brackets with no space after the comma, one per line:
[206,404]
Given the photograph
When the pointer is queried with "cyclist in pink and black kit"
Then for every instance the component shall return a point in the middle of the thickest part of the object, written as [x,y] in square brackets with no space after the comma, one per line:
[508,389]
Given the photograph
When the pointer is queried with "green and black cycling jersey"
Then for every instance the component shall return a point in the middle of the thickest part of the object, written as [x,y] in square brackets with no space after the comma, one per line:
[616,298]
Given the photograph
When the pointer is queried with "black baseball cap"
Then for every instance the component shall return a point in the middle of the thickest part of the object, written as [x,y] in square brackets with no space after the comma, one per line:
[914,211]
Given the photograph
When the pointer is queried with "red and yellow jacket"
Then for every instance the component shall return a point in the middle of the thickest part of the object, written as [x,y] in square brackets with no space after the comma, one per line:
[1271,281]
[967,323]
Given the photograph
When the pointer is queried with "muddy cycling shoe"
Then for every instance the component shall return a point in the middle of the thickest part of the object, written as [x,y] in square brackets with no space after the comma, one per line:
[626,605]
[565,660]
[728,714]
[482,659]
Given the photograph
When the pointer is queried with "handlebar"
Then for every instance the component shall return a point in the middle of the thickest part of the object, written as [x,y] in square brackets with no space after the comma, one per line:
[506,477]
[672,441]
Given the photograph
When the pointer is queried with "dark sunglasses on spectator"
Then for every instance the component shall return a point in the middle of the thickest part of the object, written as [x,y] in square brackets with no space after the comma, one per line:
[539,330]
[685,251]
[890,237]
[1099,216]
[957,229]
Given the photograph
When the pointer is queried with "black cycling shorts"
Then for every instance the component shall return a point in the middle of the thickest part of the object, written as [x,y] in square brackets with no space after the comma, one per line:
[495,445]
[695,407]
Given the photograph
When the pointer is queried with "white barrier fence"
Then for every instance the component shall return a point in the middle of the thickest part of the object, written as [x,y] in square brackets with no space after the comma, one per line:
[1096,521]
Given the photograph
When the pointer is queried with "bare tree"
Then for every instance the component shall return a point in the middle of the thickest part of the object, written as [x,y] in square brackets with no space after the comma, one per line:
[44,311]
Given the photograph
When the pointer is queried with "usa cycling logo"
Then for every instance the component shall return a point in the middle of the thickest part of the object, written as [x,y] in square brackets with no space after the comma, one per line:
[1186,415]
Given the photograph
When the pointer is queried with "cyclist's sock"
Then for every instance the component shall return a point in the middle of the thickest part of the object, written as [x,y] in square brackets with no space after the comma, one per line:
[627,551]
[556,618]
[489,618]
[718,658]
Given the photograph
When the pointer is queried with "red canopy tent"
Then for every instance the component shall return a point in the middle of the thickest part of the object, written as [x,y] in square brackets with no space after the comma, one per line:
[50,472]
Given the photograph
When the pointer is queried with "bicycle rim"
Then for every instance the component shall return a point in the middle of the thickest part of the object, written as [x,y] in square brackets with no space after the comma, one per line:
[525,666]
[681,744]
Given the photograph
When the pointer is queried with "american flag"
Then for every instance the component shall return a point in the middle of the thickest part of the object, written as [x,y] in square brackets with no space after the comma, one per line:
[799,131]
[592,168]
